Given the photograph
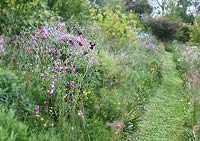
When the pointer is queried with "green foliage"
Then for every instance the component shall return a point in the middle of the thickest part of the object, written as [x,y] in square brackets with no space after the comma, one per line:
[183,33]
[18,14]
[169,47]
[117,26]
[11,129]
[8,87]
[195,31]
[181,64]
[113,4]
[69,8]
[180,11]
[139,6]
[127,79]
[163,28]
[55,81]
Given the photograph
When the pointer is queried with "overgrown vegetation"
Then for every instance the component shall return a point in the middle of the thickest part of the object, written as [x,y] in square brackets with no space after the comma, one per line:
[195,31]
[80,70]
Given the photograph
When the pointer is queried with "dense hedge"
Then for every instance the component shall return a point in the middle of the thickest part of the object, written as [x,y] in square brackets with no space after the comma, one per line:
[163,28]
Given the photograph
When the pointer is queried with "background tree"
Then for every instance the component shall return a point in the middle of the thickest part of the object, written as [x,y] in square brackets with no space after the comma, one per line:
[99,2]
[139,6]
[181,10]
[196,6]
[162,5]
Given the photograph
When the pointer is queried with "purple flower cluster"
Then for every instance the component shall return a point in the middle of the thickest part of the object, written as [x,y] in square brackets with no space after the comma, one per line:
[51,86]
[60,59]
[148,43]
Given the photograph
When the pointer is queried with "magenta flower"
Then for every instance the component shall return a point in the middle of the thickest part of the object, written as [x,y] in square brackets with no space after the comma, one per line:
[51,90]
[47,49]
[36,110]
[74,46]
[59,24]
[67,36]
[53,49]
[59,54]
[33,37]
[45,36]
[52,84]
[81,41]
[39,31]
[72,68]
[71,84]
[57,65]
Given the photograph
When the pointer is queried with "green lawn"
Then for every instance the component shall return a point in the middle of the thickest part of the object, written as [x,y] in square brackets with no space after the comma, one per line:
[163,119]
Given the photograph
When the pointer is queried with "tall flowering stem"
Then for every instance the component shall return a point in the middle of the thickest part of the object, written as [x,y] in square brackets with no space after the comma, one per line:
[61,61]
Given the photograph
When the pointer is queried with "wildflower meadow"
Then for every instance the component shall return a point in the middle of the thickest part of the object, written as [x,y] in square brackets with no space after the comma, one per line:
[85,70]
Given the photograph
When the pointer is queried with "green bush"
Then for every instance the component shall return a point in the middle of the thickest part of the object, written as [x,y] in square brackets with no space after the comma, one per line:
[8,87]
[139,6]
[69,8]
[163,28]
[16,15]
[183,33]
[117,27]
[169,47]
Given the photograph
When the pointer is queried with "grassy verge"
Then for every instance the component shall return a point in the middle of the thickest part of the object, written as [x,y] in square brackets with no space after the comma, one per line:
[164,117]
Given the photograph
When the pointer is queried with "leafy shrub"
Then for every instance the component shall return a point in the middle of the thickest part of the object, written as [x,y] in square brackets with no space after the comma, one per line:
[183,33]
[18,14]
[8,88]
[117,26]
[195,31]
[139,6]
[163,28]
[169,47]
[69,8]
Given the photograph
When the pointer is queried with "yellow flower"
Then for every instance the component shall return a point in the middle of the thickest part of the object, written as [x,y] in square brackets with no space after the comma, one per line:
[65,97]
[86,93]
[50,109]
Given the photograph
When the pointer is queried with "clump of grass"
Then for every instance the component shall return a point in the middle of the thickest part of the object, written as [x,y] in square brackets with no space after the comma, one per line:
[11,129]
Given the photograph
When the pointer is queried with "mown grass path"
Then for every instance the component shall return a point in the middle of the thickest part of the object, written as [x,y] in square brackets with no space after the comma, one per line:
[163,119]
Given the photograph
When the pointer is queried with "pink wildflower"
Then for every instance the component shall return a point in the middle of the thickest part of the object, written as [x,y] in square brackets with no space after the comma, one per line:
[36,110]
